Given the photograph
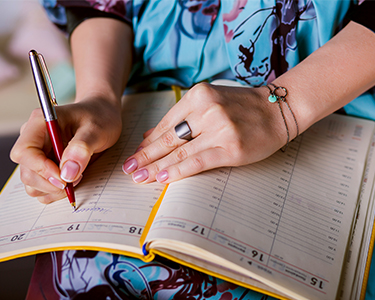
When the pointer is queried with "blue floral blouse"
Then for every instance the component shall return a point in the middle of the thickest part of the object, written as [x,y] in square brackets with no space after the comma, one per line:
[183,42]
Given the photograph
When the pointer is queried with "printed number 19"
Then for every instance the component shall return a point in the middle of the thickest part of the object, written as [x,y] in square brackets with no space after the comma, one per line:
[71,227]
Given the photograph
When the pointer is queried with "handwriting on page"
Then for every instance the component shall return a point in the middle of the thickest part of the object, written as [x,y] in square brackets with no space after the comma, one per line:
[104,195]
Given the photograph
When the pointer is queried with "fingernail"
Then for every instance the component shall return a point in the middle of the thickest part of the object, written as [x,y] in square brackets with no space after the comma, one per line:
[162,176]
[69,171]
[138,149]
[129,166]
[57,183]
[140,176]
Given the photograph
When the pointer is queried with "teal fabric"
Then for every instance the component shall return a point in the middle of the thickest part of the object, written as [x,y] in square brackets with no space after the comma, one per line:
[184,42]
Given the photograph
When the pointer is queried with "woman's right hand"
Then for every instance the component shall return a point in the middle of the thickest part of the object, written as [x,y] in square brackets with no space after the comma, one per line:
[87,127]
[102,57]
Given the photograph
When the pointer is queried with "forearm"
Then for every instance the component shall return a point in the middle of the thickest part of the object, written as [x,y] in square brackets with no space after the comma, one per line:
[102,57]
[332,76]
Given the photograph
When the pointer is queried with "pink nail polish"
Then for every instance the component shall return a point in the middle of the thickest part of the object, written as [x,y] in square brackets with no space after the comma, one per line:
[140,176]
[69,171]
[129,166]
[162,176]
[57,183]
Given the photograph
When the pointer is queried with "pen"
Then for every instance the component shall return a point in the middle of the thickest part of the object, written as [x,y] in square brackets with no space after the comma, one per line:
[48,102]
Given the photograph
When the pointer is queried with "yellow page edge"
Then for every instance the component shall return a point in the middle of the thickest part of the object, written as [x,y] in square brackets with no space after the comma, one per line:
[90,248]
[10,177]
[368,264]
[149,222]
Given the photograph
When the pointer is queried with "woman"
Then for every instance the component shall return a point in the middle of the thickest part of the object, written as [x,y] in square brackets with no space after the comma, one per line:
[311,57]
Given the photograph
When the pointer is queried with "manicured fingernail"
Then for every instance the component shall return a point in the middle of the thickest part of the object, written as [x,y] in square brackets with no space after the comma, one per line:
[129,166]
[162,176]
[138,149]
[140,176]
[57,183]
[69,171]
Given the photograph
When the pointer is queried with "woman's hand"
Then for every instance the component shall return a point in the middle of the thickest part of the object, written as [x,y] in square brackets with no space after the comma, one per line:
[102,57]
[230,126]
[233,126]
[87,127]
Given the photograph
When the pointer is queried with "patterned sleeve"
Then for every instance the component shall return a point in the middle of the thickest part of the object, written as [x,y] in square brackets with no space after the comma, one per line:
[364,14]
[68,14]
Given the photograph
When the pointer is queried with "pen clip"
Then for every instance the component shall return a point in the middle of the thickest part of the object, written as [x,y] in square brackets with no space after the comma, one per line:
[46,73]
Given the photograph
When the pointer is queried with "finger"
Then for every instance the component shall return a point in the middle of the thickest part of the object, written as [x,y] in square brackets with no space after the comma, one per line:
[148,132]
[32,179]
[162,146]
[180,154]
[191,108]
[78,153]
[23,127]
[148,173]
[29,148]
[194,164]
[44,198]
[179,112]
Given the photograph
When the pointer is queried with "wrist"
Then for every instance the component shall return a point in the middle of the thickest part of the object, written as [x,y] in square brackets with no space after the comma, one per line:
[278,95]
[278,114]
[102,97]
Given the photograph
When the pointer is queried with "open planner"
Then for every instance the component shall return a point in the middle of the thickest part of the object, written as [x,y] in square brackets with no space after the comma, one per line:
[297,225]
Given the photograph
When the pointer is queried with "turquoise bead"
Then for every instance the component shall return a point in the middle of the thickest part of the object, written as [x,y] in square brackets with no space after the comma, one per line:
[272,98]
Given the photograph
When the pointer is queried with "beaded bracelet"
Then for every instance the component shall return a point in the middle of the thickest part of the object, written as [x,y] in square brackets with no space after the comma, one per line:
[273,97]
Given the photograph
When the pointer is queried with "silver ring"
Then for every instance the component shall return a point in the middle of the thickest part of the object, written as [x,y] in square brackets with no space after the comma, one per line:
[183,131]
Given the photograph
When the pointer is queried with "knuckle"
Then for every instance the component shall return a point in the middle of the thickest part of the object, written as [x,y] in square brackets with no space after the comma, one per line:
[181,154]
[36,113]
[143,156]
[164,124]
[78,150]
[43,200]
[32,192]
[197,163]
[23,127]
[27,176]
[155,169]
[15,154]
[168,140]
[202,92]
[202,88]
[49,198]
[177,171]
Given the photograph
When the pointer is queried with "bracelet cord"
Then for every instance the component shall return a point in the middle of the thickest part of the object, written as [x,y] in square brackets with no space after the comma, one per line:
[282,98]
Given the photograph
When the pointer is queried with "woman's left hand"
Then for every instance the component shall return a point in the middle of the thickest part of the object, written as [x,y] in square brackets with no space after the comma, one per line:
[230,126]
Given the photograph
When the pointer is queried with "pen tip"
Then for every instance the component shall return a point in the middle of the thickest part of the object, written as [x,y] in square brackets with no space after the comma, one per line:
[73,205]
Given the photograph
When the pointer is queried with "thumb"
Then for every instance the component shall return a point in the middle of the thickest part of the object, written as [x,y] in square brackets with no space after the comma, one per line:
[77,155]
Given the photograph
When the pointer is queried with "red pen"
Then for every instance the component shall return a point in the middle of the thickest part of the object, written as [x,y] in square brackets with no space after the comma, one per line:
[48,102]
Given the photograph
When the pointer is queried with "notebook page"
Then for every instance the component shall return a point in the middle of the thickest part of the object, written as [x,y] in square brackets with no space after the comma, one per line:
[286,218]
[358,245]
[111,208]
